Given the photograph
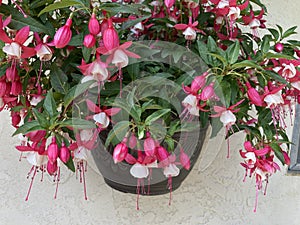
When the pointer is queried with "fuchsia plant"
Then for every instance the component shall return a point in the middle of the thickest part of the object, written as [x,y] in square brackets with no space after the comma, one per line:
[68,71]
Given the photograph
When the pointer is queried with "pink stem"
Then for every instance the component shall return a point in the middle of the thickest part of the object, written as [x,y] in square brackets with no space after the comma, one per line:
[84,184]
[57,181]
[170,187]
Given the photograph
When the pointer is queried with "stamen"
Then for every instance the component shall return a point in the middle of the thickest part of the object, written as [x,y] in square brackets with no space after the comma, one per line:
[57,181]
[20,9]
[32,178]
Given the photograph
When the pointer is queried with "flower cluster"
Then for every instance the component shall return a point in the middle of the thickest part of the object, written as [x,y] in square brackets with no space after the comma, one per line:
[140,72]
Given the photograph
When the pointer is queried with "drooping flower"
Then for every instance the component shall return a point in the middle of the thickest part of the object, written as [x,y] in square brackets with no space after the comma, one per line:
[120,151]
[63,35]
[189,30]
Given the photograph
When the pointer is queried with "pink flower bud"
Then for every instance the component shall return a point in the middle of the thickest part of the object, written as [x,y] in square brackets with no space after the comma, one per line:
[198,83]
[286,158]
[162,154]
[169,3]
[149,145]
[120,152]
[253,95]
[278,47]
[16,88]
[184,160]
[15,118]
[64,153]
[94,26]
[89,41]
[37,135]
[3,87]
[110,37]
[132,141]
[11,74]
[207,93]
[63,36]
[53,151]
[51,167]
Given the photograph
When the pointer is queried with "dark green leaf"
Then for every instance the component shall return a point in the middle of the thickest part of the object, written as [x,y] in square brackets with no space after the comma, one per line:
[216,126]
[58,79]
[76,40]
[86,53]
[28,127]
[289,32]
[18,21]
[246,63]
[275,76]
[278,152]
[233,52]
[77,123]
[275,34]
[156,115]
[49,104]
[60,5]
[131,23]
[70,164]
[42,118]
[75,91]
[265,46]
[118,132]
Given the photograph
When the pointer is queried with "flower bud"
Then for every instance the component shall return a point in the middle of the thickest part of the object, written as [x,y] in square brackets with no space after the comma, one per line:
[120,152]
[89,41]
[110,37]
[51,167]
[278,47]
[64,153]
[198,83]
[184,160]
[169,3]
[53,151]
[149,145]
[94,26]
[11,74]
[162,154]
[63,36]
[253,95]
[207,93]
[3,87]
[36,135]
[15,118]
[132,141]
[16,88]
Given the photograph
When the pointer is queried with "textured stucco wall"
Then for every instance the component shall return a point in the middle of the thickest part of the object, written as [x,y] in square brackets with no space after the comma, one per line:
[213,194]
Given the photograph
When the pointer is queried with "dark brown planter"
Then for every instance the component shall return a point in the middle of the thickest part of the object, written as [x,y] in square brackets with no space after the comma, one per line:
[118,175]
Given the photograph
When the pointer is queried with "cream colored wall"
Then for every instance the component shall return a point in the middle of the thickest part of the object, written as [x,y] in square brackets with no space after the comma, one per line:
[213,194]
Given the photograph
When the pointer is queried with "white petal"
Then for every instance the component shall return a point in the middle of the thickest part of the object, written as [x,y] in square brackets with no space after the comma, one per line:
[171,170]
[227,118]
[98,72]
[44,53]
[222,4]
[139,171]
[86,135]
[36,159]
[190,102]
[120,58]
[250,156]
[234,13]
[12,49]
[289,70]
[101,118]
[190,34]
[35,100]
[88,78]
[254,23]
[80,154]
[274,99]
[294,85]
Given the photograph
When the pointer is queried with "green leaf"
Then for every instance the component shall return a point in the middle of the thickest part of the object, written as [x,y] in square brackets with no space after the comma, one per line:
[233,52]
[77,123]
[275,76]
[271,55]
[42,118]
[18,21]
[131,23]
[115,8]
[275,34]
[289,32]
[118,132]
[3,69]
[156,115]
[70,164]
[246,63]
[28,127]
[278,152]
[75,91]
[60,5]
[58,79]
[76,40]
[265,45]
[87,52]
[49,104]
